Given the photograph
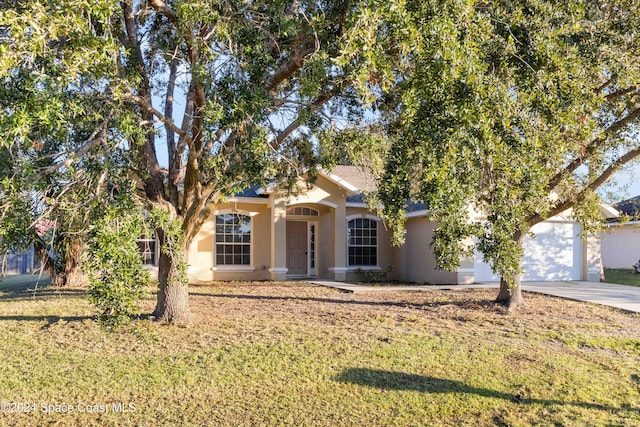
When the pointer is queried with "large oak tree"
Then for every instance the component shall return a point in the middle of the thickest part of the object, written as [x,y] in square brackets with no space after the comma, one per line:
[232,91]
[504,114]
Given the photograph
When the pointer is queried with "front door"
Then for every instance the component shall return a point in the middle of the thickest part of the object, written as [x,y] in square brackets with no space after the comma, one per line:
[297,247]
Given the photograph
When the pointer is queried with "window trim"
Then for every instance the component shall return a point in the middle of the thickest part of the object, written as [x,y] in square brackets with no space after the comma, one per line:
[370,267]
[313,212]
[233,267]
[156,249]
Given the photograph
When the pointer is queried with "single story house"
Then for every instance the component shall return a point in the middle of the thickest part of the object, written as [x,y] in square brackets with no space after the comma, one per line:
[326,231]
[621,240]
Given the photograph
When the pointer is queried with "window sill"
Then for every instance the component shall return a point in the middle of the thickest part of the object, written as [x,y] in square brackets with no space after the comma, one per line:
[234,268]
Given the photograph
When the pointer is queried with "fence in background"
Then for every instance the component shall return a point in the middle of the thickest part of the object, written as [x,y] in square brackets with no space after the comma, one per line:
[19,263]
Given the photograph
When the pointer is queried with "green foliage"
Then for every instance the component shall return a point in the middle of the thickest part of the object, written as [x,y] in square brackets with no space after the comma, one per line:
[15,217]
[505,114]
[172,239]
[117,279]
[375,276]
[260,80]
[365,147]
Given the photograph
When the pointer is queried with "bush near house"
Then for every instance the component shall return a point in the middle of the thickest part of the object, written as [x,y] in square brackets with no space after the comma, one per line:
[375,276]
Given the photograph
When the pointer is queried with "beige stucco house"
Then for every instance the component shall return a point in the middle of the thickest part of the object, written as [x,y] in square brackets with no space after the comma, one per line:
[326,231]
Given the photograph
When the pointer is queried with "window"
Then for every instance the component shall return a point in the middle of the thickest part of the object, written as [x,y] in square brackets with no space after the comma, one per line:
[312,246]
[362,235]
[147,249]
[233,239]
[302,211]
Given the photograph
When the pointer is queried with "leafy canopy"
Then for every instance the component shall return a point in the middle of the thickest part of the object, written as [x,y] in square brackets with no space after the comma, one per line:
[504,114]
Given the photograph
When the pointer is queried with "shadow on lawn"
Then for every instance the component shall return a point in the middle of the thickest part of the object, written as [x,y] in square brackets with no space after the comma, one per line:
[472,304]
[389,380]
[10,289]
[49,319]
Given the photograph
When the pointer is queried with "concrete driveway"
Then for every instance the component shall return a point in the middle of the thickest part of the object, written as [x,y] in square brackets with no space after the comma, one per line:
[619,296]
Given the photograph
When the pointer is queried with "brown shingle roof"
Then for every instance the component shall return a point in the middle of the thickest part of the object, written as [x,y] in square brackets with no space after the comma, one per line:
[359,178]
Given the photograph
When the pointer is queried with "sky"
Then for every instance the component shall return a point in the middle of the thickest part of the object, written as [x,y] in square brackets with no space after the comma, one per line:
[625,184]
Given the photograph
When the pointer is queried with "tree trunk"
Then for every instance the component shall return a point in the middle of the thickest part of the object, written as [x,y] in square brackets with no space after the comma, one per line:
[48,263]
[72,272]
[173,296]
[511,297]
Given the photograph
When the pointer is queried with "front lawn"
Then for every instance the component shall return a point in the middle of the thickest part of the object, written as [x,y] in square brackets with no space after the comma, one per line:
[301,355]
[621,276]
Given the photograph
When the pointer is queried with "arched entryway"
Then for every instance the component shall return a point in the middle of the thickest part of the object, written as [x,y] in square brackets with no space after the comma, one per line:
[302,241]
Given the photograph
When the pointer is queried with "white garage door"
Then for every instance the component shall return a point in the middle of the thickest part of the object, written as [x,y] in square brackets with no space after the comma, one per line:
[554,254]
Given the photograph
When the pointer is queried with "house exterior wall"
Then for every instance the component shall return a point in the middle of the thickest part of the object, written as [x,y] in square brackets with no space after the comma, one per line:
[202,249]
[555,252]
[558,253]
[621,246]
[416,261]
[324,242]
[268,235]
[385,253]
[332,227]
[592,261]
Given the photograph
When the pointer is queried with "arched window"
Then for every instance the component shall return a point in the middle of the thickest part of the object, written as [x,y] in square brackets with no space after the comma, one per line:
[233,239]
[302,211]
[362,242]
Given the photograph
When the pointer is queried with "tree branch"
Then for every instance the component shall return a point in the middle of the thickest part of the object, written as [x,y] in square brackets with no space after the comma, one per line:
[591,149]
[604,85]
[175,165]
[286,70]
[620,93]
[594,185]
[170,134]
[154,179]
[615,127]
[131,37]
[99,136]
[165,10]
[142,103]
[319,102]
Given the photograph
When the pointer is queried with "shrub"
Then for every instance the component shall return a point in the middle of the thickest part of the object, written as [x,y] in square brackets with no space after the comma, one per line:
[375,276]
[117,279]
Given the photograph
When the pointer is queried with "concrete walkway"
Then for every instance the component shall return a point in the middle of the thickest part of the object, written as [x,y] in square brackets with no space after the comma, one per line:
[619,296]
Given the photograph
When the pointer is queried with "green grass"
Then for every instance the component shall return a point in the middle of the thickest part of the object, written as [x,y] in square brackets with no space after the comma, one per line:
[300,355]
[621,276]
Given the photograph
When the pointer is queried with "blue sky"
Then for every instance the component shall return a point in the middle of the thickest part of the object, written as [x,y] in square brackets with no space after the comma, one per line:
[625,184]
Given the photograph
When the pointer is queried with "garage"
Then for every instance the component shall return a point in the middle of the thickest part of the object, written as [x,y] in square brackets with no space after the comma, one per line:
[555,253]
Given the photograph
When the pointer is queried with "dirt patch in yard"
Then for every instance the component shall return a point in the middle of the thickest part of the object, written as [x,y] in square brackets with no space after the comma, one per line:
[302,302]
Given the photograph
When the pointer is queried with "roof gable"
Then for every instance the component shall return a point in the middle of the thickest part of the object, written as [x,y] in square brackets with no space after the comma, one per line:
[351,178]
[358,177]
